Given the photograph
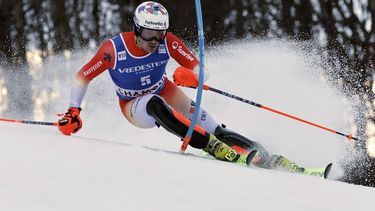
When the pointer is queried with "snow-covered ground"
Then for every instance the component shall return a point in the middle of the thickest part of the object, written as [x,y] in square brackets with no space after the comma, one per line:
[111,165]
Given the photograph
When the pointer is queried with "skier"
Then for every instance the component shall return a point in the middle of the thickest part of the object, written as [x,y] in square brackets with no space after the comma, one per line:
[136,62]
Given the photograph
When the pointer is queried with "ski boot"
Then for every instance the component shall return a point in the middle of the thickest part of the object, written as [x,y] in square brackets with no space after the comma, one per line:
[222,151]
[280,162]
[243,145]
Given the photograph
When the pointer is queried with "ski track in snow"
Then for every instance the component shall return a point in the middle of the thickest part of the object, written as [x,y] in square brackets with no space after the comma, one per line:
[111,165]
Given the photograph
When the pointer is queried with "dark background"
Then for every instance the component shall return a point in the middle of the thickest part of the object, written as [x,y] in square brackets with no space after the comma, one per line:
[344,30]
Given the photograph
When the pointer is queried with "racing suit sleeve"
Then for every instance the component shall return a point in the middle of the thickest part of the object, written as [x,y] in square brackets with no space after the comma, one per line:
[102,60]
[183,56]
[178,50]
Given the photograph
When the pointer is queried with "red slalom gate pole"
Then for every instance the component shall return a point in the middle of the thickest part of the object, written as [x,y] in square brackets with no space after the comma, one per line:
[348,136]
[29,122]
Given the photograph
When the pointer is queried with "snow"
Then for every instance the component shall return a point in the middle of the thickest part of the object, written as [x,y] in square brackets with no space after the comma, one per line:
[44,170]
[111,165]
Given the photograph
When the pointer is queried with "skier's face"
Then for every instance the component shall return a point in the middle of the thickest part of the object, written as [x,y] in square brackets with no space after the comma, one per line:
[148,46]
[149,39]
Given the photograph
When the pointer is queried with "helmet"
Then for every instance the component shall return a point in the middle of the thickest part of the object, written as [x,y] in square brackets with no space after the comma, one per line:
[151,15]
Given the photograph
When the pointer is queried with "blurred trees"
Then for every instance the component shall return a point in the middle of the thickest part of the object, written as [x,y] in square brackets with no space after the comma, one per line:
[13,32]
[345,29]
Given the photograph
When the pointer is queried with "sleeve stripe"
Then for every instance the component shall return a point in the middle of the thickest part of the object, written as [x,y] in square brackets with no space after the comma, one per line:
[166,46]
[115,54]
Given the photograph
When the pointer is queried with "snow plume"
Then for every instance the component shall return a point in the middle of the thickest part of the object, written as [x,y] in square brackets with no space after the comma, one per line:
[290,77]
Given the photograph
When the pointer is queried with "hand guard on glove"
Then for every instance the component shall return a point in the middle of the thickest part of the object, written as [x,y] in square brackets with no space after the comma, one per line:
[71,122]
[183,76]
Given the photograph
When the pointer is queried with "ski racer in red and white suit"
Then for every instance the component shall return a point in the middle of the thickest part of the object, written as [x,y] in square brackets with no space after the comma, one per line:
[136,62]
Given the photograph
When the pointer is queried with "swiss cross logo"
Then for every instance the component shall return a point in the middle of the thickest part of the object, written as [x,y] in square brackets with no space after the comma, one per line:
[145,80]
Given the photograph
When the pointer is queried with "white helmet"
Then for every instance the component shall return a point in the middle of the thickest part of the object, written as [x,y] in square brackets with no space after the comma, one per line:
[151,15]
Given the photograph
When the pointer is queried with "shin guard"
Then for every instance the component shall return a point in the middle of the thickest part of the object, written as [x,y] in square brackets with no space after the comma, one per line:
[175,122]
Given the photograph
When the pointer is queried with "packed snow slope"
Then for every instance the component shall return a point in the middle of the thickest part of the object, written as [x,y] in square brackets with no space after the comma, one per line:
[111,165]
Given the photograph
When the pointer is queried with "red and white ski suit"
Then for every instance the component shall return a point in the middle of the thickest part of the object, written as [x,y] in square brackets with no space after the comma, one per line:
[132,70]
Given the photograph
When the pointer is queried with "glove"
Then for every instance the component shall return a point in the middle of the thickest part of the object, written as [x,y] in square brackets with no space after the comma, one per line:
[183,76]
[71,122]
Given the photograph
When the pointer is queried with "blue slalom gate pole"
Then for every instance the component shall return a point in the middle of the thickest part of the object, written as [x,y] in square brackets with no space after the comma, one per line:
[198,100]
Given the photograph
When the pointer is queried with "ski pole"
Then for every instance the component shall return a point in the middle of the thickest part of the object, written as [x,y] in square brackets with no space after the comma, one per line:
[206,87]
[29,122]
[187,138]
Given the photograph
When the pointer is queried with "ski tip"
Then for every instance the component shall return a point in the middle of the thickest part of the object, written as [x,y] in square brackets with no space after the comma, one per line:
[327,170]
[250,157]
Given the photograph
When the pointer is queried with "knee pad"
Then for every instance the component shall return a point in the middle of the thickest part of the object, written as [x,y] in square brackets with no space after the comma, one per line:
[163,115]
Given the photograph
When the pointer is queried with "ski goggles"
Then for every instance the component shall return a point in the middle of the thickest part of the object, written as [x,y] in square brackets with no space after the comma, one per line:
[149,34]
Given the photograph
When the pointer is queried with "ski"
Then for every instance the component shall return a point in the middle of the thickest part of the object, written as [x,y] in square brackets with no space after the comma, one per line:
[321,172]
[327,170]
[250,157]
